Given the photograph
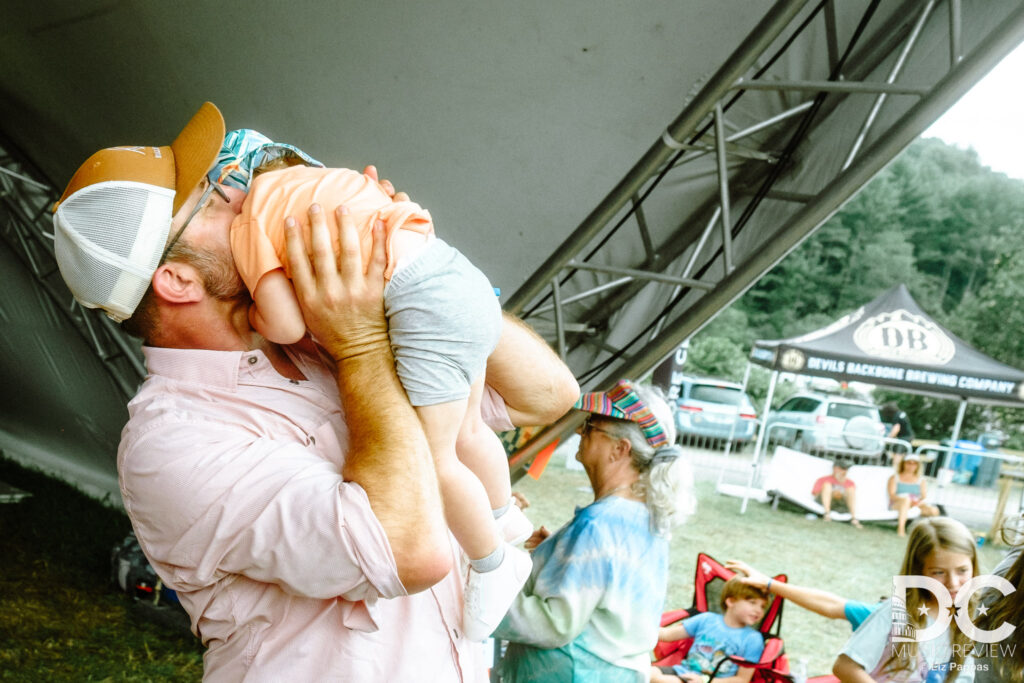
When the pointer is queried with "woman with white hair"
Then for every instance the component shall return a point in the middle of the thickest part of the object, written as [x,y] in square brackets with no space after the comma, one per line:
[592,605]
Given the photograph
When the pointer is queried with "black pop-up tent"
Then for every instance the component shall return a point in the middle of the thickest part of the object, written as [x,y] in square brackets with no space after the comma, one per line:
[892,342]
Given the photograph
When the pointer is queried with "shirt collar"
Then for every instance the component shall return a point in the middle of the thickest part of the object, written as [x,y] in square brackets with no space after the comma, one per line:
[200,366]
[226,368]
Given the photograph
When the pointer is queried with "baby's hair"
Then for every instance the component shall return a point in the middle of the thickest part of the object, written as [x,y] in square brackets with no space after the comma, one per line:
[926,536]
[735,588]
[277,163]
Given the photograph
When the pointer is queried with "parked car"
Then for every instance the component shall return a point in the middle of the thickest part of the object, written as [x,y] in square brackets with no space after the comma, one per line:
[827,424]
[714,409]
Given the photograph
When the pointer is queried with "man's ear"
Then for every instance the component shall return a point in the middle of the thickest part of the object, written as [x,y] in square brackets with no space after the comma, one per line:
[178,283]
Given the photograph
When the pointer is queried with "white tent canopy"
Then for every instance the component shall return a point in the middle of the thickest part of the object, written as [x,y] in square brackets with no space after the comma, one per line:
[620,171]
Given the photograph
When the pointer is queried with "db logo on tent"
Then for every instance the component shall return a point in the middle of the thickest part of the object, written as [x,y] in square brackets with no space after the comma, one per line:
[905,632]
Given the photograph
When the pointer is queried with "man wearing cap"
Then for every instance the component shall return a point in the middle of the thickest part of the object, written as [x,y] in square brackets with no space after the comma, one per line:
[591,607]
[303,533]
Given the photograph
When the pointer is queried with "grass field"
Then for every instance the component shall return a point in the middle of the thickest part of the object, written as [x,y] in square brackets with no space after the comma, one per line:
[62,620]
[60,617]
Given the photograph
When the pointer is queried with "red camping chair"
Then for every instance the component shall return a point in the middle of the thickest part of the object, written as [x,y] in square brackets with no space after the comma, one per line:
[711,575]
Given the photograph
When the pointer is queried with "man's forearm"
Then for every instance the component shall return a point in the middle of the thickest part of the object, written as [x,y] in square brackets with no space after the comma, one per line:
[342,303]
[389,457]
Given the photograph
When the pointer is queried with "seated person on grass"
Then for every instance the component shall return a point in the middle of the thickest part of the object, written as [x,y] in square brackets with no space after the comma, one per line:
[836,491]
[717,636]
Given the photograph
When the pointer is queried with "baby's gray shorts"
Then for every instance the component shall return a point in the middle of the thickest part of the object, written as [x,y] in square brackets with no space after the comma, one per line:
[444,320]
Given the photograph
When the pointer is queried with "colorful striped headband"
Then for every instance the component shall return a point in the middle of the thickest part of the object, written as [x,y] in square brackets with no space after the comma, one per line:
[622,402]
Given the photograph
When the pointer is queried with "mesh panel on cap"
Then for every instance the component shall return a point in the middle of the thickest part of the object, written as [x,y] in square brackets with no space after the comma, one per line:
[108,240]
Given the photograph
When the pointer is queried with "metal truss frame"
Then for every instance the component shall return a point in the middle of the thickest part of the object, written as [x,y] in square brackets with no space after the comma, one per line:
[582,312]
[576,294]
[26,226]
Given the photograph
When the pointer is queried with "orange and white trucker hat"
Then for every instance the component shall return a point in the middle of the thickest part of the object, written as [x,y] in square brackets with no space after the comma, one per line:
[112,222]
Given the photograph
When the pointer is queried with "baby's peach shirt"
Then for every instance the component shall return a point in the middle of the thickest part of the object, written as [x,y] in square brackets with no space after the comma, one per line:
[257,233]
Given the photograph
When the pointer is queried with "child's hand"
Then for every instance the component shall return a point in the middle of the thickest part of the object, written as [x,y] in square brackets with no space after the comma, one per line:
[692,678]
[386,185]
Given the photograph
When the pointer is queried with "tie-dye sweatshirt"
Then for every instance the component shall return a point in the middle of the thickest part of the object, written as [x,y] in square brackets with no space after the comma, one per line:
[592,605]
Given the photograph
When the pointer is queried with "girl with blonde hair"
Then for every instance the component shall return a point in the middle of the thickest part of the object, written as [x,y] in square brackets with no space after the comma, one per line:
[939,548]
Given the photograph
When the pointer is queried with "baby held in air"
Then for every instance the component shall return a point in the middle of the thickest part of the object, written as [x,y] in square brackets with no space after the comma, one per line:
[444,321]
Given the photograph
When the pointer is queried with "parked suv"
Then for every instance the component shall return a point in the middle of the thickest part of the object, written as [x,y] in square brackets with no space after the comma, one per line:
[713,409]
[827,423]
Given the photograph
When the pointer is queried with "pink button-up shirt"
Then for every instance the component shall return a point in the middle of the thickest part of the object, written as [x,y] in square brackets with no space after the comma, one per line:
[231,475]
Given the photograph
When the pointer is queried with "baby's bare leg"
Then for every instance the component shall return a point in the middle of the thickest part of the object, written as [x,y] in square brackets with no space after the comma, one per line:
[466,506]
[480,449]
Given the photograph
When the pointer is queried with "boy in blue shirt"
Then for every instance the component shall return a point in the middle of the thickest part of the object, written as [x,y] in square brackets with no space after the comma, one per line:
[717,636]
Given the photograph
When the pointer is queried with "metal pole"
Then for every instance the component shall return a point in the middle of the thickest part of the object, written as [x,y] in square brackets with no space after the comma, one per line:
[700,243]
[757,41]
[732,428]
[559,320]
[955,32]
[556,430]
[956,430]
[756,463]
[723,188]
[767,123]
[641,275]
[24,178]
[833,86]
[893,75]
[583,295]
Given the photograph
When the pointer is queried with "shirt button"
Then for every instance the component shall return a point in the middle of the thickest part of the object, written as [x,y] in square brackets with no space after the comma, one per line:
[253,360]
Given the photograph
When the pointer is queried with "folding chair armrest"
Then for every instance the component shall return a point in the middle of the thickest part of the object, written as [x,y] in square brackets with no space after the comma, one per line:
[770,657]
[672,616]
[747,664]
[773,648]
[671,652]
